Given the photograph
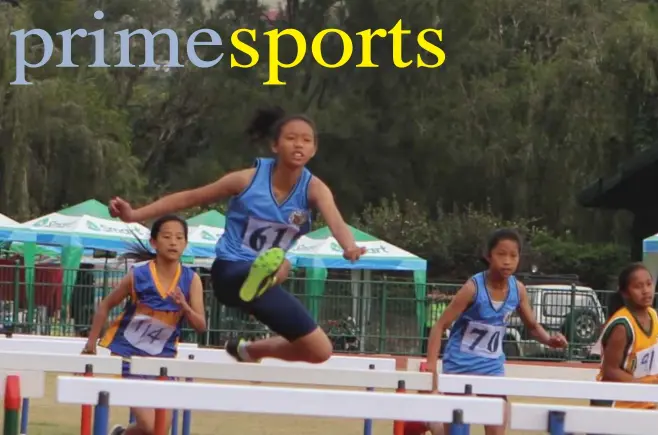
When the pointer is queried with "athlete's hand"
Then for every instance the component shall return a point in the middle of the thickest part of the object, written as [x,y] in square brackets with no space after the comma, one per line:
[558,342]
[354,253]
[178,297]
[121,209]
[89,349]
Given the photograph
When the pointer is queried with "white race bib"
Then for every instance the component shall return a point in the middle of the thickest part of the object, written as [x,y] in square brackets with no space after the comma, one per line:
[148,334]
[483,340]
[646,364]
[262,235]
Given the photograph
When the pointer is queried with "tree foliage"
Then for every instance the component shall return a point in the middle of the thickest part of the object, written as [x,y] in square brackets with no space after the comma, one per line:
[535,100]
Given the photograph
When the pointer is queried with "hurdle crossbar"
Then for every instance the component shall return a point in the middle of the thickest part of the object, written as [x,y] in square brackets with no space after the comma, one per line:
[282,374]
[74,345]
[45,362]
[582,419]
[275,400]
[549,388]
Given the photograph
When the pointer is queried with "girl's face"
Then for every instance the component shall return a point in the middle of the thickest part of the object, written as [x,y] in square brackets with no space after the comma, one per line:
[296,143]
[504,258]
[170,241]
[640,289]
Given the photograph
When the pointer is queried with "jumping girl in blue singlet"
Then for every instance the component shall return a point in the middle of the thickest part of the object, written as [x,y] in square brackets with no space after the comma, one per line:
[480,311]
[269,209]
[159,295]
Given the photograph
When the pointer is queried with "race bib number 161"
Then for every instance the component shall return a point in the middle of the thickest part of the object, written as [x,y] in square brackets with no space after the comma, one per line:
[262,235]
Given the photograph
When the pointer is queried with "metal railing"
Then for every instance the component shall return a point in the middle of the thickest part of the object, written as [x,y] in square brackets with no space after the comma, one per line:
[384,319]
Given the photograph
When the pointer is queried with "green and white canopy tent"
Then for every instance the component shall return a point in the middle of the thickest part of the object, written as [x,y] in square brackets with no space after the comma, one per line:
[87,225]
[319,251]
[210,218]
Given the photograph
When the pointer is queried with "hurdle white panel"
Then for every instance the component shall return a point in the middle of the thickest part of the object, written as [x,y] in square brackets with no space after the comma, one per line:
[274,400]
[512,370]
[62,363]
[80,340]
[557,389]
[33,383]
[583,419]
[45,346]
[335,362]
[283,374]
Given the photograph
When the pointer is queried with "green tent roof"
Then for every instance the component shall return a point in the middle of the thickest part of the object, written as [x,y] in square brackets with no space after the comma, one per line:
[210,218]
[90,207]
[325,232]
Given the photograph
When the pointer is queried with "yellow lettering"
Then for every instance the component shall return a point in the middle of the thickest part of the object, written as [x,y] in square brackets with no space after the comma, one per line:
[366,46]
[430,48]
[316,48]
[397,33]
[274,64]
[244,48]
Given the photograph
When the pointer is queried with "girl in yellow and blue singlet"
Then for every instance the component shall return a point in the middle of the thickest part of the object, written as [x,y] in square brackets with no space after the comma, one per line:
[629,340]
[160,294]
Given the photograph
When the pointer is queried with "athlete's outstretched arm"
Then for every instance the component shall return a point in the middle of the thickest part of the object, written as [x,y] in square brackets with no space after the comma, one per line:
[118,295]
[458,305]
[529,321]
[613,343]
[230,184]
[195,312]
[321,197]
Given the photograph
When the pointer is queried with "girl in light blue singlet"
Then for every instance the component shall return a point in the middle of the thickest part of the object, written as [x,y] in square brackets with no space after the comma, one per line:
[270,206]
[480,311]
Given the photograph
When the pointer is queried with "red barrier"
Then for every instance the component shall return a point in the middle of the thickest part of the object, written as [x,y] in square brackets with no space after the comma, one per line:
[398,425]
[160,427]
[87,410]
[12,404]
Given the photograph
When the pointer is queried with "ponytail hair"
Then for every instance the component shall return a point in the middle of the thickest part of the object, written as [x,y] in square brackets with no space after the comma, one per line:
[268,122]
[263,122]
[615,303]
[138,251]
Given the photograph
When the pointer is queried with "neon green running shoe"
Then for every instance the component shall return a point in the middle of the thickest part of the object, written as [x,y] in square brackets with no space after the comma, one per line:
[262,274]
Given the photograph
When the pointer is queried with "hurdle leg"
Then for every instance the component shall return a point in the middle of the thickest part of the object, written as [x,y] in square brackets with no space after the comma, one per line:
[12,404]
[187,414]
[367,423]
[556,422]
[160,427]
[398,426]
[102,414]
[174,422]
[25,415]
[86,411]
[457,427]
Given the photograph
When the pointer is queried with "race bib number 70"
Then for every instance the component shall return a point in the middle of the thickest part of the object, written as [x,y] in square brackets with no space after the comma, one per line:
[148,334]
[483,340]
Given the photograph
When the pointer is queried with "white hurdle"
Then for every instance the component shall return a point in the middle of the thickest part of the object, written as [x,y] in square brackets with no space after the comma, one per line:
[276,400]
[31,367]
[74,345]
[211,356]
[582,419]
[555,419]
[282,374]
